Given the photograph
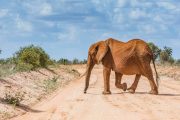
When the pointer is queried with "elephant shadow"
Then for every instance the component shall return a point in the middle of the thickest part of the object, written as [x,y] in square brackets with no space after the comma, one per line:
[160,94]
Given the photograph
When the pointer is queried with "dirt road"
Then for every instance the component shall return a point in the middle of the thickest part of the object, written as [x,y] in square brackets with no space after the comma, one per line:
[71,104]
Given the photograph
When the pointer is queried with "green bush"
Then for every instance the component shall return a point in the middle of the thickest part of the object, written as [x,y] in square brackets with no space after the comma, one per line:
[51,84]
[64,61]
[166,55]
[171,60]
[75,61]
[31,57]
[7,69]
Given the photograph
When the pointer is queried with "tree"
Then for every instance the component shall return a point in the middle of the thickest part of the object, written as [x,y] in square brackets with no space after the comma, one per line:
[171,60]
[75,61]
[64,61]
[166,55]
[31,57]
[168,50]
[155,49]
[84,61]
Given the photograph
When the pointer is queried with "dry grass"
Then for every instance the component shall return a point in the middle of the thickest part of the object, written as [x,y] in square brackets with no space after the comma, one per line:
[7,69]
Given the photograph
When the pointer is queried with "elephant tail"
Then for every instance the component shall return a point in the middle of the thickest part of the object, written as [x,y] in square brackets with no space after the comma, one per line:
[157,76]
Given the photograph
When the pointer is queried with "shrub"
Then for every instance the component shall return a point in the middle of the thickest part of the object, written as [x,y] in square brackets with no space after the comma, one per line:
[13,98]
[51,84]
[177,62]
[75,61]
[7,61]
[166,55]
[7,69]
[171,60]
[31,57]
[64,61]
[83,61]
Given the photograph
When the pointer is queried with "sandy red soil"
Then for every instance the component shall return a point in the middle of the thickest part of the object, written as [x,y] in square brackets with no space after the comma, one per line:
[70,103]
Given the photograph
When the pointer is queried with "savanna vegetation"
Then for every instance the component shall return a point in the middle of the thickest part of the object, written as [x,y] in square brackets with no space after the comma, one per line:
[31,75]
[164,55]
[31,58]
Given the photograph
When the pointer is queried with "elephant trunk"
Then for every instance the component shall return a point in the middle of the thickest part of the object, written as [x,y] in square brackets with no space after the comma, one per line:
[90,66]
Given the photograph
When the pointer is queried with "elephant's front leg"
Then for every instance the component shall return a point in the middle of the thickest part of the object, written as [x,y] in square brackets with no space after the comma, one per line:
[106,74]
[118,77]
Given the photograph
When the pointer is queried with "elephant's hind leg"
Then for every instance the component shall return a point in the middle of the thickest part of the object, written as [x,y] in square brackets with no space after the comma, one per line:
[133,87]
[118,77]
[149,76]
[154,89]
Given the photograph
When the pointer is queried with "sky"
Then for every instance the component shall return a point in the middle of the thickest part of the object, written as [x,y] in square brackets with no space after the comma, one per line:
[66,28]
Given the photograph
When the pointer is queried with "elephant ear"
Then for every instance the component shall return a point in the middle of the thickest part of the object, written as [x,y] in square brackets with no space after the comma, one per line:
[102,49]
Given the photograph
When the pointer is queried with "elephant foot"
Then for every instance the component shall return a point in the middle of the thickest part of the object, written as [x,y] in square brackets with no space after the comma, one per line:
[131,90]
[154,92]
[124,86]
[106,92]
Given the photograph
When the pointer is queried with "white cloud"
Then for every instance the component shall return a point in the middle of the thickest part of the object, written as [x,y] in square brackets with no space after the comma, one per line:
[97,2]
[121,3]
[106,35]
[3,12]
[49,23]
[102,5]
[166,5]
[134,3]
[91,18]
[138,3]
[163,27]
[137,13]
[22,25]
[39,8]
[45,9]
[148,29]
[118,18]
[117,14]
[69,35]
[158,18]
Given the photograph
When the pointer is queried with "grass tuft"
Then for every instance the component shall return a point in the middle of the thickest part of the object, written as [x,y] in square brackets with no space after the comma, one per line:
[51,84]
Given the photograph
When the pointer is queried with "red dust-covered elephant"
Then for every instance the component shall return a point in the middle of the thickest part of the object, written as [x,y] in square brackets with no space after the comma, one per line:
[128,58]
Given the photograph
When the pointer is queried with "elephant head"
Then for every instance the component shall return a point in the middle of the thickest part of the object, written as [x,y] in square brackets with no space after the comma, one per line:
[96,53]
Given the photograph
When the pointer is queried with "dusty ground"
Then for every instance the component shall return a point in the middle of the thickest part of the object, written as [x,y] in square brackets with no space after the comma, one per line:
[169,71]
[32,87]
[71,104]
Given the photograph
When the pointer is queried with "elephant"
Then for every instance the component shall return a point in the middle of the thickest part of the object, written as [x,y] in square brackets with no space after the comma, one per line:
[124,58]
